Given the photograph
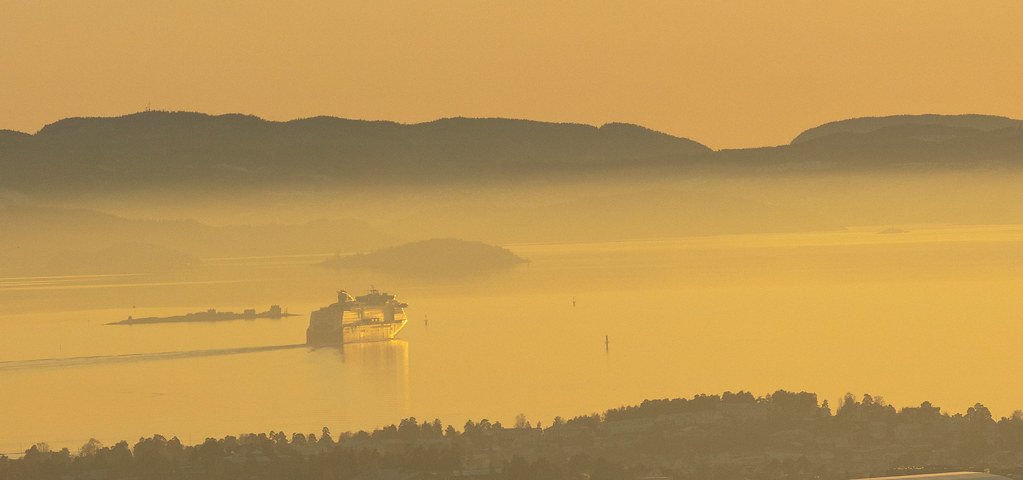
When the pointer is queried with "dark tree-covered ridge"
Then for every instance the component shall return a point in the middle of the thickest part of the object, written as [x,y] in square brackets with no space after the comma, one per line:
[784,435]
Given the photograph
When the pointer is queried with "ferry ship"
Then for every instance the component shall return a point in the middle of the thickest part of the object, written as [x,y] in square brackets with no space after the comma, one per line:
[372,317]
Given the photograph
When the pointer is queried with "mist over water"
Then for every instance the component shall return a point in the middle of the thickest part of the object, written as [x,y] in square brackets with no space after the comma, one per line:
[925,314]
[600,241]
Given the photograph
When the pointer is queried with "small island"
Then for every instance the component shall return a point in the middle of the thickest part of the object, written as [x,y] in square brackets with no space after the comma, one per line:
[439,256]
[211,315]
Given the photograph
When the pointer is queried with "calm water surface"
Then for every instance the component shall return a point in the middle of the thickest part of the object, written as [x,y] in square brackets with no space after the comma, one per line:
[932,314]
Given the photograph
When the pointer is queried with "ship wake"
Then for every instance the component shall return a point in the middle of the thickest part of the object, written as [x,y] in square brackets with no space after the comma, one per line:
[134,357]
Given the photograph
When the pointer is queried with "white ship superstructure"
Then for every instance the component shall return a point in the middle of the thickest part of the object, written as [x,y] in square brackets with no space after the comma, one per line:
[372,317]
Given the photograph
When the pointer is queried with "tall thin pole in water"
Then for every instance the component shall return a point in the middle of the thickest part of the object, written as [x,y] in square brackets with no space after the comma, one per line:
[607,344]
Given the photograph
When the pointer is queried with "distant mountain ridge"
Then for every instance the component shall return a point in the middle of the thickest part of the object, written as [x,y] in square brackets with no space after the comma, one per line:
[186,149]
[871,124]
[159,148]
[9,138]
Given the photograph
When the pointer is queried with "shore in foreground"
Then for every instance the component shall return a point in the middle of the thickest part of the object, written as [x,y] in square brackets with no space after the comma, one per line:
[783,435]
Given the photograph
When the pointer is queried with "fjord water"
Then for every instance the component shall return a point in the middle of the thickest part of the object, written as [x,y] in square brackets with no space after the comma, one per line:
[929,314]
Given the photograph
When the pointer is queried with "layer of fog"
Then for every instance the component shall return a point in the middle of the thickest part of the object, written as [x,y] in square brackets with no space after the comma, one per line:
[178,227]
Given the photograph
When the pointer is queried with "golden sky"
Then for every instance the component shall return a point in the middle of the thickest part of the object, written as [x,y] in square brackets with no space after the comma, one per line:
[727,74]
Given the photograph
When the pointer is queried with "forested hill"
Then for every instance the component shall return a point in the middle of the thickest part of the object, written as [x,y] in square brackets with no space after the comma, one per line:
[977,123]
[167,148]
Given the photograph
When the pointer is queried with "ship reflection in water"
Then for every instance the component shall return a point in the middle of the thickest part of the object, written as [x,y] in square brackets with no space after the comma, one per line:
[359,331]
[365,378]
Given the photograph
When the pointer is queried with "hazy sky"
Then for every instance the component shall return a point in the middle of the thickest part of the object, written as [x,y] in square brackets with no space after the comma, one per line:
[727,74]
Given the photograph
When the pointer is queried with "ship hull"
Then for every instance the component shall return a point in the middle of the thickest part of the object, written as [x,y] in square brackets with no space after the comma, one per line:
[371,333]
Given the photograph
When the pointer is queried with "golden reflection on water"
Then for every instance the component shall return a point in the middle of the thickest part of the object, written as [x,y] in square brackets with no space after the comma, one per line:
[203,393]
[930,314]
